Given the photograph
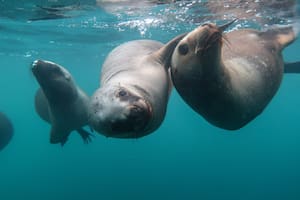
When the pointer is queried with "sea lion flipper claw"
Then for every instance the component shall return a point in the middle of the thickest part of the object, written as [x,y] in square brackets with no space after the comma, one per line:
[86,136]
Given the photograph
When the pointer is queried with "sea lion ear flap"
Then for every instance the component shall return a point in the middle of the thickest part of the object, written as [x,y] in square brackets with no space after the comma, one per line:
[223,27]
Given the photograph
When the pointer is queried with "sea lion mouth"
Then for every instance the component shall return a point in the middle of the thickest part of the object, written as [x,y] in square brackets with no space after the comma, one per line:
[38,64]
[135,124]
[42,69]
[121,116]
[34,67]
[211,35]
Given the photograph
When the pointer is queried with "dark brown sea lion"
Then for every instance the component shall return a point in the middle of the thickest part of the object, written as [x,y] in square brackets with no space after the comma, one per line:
[229,84]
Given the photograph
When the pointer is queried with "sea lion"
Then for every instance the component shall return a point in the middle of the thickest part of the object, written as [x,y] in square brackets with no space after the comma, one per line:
[230,84]
[60,101]
[134,89]
[6,130]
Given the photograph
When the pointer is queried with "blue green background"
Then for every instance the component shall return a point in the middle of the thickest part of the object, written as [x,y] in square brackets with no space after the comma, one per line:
[186,158]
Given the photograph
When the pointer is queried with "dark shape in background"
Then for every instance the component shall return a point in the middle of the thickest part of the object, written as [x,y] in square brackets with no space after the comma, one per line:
[6,130]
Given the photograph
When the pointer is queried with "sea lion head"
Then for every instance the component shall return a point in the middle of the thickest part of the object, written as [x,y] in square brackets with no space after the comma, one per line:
[201,47]
[120,112]
[199,42]
[55,81]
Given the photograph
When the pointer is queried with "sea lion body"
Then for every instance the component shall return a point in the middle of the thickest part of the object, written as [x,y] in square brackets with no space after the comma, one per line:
[229,84]
[6,131]
[134,89]
[60,101]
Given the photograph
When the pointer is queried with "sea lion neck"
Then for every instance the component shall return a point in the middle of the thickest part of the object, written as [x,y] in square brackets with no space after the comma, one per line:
[211,63]
[164,54]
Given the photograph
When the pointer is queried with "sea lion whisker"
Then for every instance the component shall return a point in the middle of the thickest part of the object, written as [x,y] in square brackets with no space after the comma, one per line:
[223,27]
[212,39]
[226,41]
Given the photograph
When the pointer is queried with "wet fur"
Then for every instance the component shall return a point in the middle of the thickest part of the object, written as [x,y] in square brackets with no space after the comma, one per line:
[229,85]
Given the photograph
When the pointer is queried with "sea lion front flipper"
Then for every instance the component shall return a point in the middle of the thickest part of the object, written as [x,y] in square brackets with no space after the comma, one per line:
[41,105]
[58,136]
[293,67]
[165,52]
[86,136]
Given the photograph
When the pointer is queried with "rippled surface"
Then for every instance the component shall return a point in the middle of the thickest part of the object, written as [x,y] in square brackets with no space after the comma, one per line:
[186,158]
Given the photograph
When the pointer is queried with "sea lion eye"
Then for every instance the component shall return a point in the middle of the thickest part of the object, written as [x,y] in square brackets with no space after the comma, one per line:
[68,77]
[183,49]
[122,93]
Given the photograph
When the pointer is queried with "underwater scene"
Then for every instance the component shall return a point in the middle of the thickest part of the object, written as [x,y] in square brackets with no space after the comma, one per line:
[184,152]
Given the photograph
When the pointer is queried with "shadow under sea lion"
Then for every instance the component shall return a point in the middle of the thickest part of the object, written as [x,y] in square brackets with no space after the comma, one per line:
[231,84]
[60,102]
[6,131]
[134,89]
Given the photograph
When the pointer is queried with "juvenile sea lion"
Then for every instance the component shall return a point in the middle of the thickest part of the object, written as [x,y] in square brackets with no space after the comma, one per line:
[60,101]
[229,85]
[134,92]
[6,130]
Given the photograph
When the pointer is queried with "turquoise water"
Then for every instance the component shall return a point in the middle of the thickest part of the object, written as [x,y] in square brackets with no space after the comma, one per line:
[186,158]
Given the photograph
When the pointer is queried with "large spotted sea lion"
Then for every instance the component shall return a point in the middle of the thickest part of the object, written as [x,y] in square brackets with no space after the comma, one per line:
[229,84]
[134,89]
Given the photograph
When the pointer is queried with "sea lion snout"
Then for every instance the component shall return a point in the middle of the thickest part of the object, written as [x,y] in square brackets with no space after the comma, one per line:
[40,66]
[47,70]
[135,122]
[119,114]
[207,36]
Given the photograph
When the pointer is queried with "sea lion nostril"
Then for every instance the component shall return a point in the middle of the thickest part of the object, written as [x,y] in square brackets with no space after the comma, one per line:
[135,111]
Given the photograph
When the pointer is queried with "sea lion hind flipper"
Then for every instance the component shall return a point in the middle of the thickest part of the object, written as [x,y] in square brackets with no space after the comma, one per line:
[292,67]
[284,35]
[58,136]
[85,135]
